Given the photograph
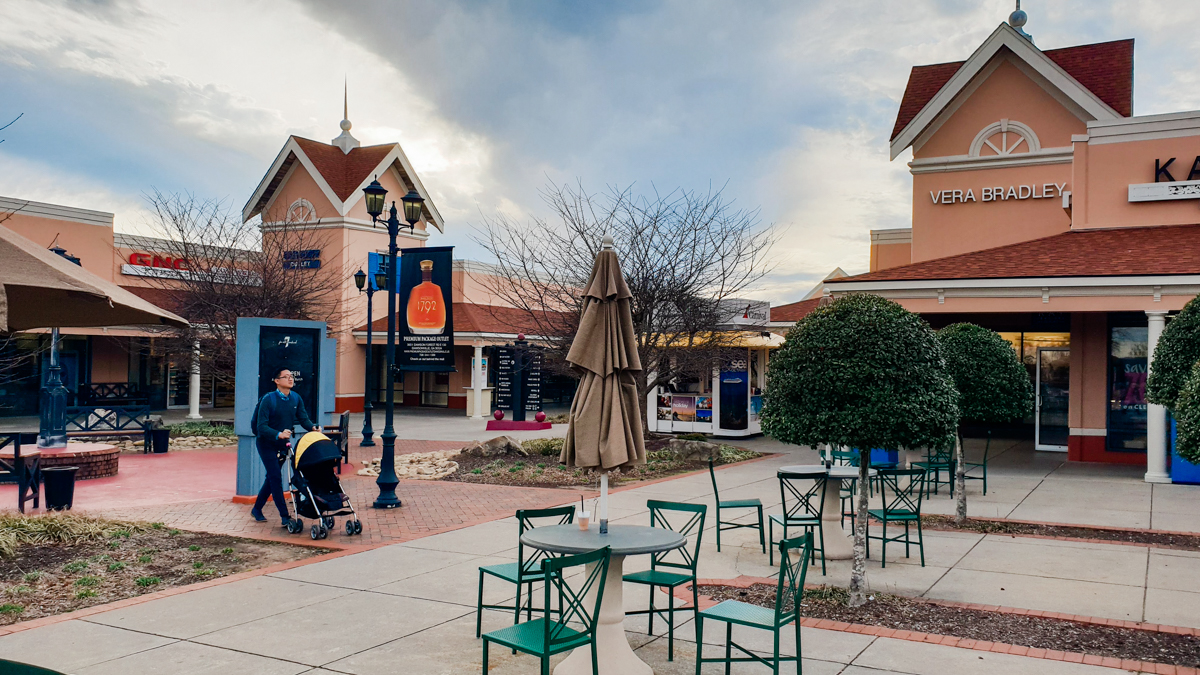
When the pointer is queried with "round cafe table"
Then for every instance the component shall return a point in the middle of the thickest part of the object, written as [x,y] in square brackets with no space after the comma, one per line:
[613,654]
[838,546]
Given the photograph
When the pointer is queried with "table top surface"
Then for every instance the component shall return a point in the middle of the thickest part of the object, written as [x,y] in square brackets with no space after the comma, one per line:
[624,539]
[833,471]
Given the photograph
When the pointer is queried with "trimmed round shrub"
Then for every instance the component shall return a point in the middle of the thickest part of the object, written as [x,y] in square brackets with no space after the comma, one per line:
[993,387]
[1177,351]
[1187,418]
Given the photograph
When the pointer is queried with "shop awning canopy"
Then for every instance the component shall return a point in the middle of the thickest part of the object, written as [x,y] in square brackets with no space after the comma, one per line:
[40,289]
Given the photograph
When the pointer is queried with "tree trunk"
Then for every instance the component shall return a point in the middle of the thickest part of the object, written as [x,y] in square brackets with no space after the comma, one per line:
[960,480]
[858,576]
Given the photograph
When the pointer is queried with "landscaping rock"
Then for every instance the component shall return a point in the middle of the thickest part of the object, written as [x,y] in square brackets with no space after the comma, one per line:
[694,450]
[418,465]
[501,445]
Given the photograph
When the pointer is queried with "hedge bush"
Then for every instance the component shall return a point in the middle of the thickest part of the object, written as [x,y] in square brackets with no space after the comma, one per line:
[1177,351]
[993,386]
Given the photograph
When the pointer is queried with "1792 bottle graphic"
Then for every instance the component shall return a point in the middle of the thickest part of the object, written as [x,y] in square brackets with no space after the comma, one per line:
[426,307]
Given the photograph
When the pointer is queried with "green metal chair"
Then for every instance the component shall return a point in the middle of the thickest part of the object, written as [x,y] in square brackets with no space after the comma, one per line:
[543,637]
[802,508]
[968,465]
[904,506]
[735,504]
[936,461]
[527,570]
[687,520]
[792,570]
[16,668]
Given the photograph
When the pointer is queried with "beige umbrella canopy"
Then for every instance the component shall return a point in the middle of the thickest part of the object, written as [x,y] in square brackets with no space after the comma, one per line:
[605,428]
[40,289]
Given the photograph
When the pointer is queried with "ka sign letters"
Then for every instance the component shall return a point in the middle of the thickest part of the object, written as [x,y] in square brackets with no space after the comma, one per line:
[999,194]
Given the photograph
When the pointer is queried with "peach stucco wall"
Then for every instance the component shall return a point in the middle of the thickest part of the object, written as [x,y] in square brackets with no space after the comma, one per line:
[1103,173]
[110,359]
[943,229]
[1006,94]
[1088,404]
[887,256]
[93,244]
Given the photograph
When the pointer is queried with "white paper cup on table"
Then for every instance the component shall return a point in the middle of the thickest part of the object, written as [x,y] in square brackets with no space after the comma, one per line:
[584,518]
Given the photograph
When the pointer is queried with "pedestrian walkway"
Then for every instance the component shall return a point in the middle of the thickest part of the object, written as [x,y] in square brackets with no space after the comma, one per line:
[409,607]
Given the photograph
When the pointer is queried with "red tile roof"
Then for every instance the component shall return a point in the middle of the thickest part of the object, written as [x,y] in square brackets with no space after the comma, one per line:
[794,311]
[474,318]
[1104,68]
[1173,249]
[344,171]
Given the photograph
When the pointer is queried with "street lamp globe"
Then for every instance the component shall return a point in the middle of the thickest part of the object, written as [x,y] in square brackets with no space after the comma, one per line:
[375,194]
[380,281]
[412,206]
[360,279]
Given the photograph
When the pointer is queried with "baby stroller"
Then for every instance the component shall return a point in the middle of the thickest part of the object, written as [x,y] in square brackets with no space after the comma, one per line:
[315,489]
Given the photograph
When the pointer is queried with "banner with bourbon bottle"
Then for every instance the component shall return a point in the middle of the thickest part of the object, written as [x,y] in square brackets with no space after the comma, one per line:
[425,325]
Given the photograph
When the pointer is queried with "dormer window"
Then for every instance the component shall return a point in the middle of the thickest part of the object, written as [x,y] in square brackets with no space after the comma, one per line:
[1003,138]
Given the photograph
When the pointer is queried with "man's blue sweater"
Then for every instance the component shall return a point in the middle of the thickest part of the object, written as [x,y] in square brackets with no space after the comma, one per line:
[276,413]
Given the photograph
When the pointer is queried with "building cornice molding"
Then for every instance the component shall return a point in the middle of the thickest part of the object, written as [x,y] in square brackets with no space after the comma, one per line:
[1044,287]
[1142,128]
[970,163]
[26,207]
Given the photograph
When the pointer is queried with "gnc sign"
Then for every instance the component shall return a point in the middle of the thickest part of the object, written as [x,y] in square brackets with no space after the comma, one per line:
[155,260]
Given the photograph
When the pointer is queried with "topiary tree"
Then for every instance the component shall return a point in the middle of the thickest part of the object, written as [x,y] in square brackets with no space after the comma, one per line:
[861,372]
[993,387]
[1177,351]
[1187,417]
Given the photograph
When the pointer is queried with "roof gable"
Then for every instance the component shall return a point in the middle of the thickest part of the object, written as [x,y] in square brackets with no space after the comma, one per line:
[1097,77]
[340,175]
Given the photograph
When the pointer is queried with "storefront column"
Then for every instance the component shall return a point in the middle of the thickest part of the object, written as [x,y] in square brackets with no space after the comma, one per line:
[194,384]
[1156,415]
[477,382]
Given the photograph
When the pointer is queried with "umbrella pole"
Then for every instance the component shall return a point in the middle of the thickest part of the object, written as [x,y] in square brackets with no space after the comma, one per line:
[604,502]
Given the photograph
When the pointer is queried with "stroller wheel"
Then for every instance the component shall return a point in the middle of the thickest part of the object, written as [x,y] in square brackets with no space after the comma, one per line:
[324,532]
[357,527]
[328,522]
[349,527]
[315,532]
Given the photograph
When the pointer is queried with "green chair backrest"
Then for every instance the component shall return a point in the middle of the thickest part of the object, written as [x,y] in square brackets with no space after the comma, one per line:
[941,454]
[845,457]
[687,520]
[16,668]
[799,499]
[905,496]
[575,607]
[713,475]
[792,570]
[528,519]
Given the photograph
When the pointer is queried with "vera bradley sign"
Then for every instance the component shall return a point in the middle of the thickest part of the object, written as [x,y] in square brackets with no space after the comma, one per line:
[999,194]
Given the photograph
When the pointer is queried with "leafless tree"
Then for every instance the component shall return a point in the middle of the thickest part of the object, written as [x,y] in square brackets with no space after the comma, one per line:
[233,269]
[682,253]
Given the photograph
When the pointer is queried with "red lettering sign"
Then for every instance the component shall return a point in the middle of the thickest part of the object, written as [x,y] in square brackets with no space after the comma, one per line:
[163,261]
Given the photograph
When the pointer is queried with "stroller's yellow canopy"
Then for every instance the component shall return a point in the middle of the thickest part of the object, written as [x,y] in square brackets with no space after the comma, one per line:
[314,447]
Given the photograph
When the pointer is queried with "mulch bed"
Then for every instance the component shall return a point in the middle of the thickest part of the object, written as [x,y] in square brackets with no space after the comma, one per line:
[545,471]
[900,613]
[45,580]
[1186,542]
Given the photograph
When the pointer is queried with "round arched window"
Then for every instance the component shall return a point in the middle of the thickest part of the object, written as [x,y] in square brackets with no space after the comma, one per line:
[301,211]
[1005,137]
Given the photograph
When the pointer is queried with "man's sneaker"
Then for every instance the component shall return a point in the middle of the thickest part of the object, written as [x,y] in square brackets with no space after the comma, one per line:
[257,514]
[287,522]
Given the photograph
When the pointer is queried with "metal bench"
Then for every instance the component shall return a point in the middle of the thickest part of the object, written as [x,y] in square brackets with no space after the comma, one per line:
[22,468]
[107,394]
[91,421]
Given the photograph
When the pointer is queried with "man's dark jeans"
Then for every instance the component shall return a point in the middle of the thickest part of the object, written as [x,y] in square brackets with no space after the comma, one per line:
[273,485]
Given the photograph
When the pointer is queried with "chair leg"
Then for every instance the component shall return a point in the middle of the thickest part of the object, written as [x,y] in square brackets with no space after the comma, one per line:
[775,668]
[821,534]
[728,647]
[670,625]
[884,558]
[906,539]
[485,658]
[761,540]
[517,605]
[479,614]
[799,666]
[718,528]
[529,603]
[546,665]
[650,616]
[699,638]
[595,665]
[921,542]
[771,541]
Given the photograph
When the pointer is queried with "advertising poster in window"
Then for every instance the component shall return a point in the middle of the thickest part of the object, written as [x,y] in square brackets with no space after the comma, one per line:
[683,408]
[704,409]
[664,407]
[425,324]
[1127,396]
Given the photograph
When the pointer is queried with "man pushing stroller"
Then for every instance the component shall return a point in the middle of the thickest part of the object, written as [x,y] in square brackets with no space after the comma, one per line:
[277,413]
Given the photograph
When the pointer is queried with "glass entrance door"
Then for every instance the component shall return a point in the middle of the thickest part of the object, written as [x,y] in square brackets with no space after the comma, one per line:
[1053,388]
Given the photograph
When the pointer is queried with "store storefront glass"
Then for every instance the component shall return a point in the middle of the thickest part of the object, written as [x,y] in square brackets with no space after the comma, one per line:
[435,389]
[1127,389]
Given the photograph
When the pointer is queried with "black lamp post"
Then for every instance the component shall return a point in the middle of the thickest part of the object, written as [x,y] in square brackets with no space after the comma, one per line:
[375,194]
[360,280]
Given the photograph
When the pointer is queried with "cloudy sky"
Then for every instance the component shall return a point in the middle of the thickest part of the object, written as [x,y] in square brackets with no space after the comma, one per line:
[787,104]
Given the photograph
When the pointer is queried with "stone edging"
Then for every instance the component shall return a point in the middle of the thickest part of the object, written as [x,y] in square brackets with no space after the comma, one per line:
[682,593]
[1085,540]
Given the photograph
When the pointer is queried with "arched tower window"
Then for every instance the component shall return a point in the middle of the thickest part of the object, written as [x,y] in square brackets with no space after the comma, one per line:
[301,211]
[1005,137]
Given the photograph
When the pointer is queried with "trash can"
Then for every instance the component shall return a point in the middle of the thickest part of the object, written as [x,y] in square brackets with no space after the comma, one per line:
[1182,471]
[58,482]
[160,439]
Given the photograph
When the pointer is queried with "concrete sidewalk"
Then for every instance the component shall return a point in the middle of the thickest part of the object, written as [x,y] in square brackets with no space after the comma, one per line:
[409,607]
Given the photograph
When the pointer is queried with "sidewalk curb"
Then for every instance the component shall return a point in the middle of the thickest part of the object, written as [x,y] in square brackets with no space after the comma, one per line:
[682,593]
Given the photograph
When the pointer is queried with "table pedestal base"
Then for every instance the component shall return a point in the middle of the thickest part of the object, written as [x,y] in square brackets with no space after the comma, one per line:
[837,545]
[614,656]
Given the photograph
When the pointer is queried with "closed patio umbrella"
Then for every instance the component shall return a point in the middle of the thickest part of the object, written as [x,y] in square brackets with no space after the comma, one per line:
[605,426]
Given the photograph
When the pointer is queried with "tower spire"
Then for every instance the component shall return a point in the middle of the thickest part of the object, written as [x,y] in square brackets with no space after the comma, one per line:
[345,141]
[1018,19]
